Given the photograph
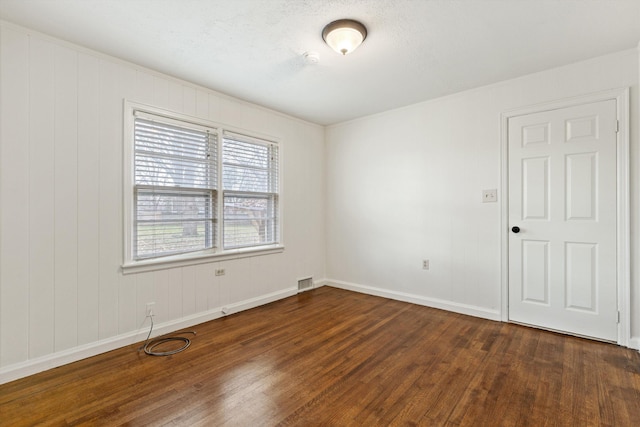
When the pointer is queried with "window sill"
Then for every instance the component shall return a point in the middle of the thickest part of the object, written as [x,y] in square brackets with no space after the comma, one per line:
[193,259]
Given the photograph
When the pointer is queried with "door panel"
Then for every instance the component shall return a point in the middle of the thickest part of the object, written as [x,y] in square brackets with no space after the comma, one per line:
[562,195]
[581,186]
[535,188]
[535,271]
[581,262]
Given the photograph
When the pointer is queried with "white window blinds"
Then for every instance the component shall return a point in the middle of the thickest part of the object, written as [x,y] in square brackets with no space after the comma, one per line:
[175,174]
[250,191]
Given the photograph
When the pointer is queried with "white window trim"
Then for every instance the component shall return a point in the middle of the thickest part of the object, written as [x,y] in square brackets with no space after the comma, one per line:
[130,265]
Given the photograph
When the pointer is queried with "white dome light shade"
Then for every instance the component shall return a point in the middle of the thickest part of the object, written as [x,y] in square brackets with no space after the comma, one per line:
[344,35]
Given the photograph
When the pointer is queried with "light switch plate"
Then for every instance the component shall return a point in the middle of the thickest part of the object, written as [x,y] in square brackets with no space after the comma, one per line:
[489,196]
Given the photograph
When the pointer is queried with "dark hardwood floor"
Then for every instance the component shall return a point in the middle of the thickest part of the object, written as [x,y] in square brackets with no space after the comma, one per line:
[333,357]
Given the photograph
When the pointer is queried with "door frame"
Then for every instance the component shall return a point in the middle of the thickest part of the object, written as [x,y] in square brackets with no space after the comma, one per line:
[623,272]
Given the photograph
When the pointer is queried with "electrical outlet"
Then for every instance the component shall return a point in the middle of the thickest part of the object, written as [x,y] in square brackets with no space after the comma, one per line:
[425,264]
[489,196]
[150,307]
[220,272]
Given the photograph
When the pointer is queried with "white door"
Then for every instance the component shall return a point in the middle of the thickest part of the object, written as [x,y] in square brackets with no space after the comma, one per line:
[562,197]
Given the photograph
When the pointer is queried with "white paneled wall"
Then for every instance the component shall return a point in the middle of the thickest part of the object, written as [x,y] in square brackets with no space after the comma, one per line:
[15,212]
[61,203]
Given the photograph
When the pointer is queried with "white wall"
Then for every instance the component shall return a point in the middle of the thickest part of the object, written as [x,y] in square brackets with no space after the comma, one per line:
[406,185]
[62,294]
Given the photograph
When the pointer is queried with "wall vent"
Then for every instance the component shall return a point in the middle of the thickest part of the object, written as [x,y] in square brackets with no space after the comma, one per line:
[305,284]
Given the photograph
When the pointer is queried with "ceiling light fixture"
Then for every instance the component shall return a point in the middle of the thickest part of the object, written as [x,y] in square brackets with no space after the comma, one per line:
[344,35]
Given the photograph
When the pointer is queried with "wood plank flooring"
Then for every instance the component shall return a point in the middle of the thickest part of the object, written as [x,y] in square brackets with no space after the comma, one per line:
[333,357]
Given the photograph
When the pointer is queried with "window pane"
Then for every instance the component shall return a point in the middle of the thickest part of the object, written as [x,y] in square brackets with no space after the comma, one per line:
[172,172]
[249,167]
[245,153]
[168,155]
[249,221]
[172,222]
[163,138]
[241,179]
[175,176]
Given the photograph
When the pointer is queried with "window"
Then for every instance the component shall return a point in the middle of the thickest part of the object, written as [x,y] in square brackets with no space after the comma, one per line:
[250,184]
[183,174]
[175,187]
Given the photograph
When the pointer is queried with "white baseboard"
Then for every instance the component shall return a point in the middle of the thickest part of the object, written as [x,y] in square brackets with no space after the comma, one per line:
[257,301]
[319,283]
[634,343]
[455,307]
[50,361]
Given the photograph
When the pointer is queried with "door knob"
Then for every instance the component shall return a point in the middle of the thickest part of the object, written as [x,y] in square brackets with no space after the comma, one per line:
[515,229]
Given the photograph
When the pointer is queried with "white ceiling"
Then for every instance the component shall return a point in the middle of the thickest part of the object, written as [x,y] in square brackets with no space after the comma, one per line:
[416,49]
